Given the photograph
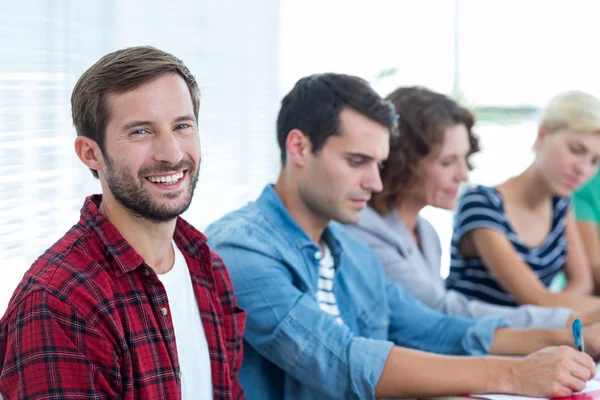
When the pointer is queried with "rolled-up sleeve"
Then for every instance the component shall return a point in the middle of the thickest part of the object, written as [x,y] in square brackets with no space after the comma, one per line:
[477,340]
[312,347]
[286,326]
[367,359]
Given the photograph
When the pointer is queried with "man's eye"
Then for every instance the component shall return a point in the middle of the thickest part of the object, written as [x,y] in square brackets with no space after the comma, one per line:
[138,132]
[182,126]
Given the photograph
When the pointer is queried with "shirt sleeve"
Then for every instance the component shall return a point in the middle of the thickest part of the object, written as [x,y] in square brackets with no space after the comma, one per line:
[48,350]
[419,327]
[527,317]
[234,322]
[286,326]
[478,209]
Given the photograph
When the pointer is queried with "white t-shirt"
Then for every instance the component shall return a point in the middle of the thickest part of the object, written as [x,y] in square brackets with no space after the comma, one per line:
[325,296]
[192,347]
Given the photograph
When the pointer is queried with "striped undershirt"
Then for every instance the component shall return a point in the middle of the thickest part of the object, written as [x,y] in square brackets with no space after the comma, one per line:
[325,295]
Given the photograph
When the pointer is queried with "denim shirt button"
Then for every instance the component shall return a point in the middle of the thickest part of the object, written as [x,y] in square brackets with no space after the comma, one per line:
[318,255]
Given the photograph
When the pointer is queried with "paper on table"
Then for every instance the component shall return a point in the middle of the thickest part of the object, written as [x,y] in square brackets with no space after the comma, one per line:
[590,386]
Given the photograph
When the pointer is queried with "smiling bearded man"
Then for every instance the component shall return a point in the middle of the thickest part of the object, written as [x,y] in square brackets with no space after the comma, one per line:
[131,303]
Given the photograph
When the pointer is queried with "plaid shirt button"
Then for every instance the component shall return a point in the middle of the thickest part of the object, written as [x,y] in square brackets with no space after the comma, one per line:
[147,272]
[164,311]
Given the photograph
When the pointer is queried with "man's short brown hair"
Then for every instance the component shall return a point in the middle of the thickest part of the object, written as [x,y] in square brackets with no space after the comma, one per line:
[119,72]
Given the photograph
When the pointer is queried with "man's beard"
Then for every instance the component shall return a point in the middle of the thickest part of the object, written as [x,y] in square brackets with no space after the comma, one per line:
[132,195]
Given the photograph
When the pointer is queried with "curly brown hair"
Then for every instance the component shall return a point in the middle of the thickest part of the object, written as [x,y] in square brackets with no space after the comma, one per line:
[424,116]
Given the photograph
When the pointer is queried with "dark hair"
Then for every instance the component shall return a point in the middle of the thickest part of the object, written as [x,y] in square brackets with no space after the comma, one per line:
[118,72]
[314,105]
[424,116]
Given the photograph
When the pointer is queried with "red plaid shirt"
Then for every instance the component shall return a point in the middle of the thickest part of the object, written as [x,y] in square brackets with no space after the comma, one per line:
[90,319]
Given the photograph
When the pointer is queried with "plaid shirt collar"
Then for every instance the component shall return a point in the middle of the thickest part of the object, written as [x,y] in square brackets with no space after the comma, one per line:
[125,258]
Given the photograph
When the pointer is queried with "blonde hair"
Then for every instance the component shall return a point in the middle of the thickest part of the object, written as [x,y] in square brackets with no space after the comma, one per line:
[574,110]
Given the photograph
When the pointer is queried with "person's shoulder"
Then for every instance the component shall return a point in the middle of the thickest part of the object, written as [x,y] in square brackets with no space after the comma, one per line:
[481,206]
[247,229]
[426,228]
[592,185]
[480,196]
[370,219]
[239,223]
[70,270]
[480,190]
[370,226]
[72,252]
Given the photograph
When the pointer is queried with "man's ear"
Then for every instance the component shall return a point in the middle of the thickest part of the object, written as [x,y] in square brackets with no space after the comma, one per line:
[89,153]
[298,147]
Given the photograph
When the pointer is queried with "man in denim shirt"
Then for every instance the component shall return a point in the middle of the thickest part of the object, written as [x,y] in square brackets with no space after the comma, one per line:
[323,321]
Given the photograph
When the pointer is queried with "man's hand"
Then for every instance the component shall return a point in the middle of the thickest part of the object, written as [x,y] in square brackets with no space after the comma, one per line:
[553,372]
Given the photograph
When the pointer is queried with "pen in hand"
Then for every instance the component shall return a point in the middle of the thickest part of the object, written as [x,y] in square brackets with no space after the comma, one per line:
[578,334]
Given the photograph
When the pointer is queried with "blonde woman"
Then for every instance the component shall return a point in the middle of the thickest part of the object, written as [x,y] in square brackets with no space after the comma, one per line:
[511,240]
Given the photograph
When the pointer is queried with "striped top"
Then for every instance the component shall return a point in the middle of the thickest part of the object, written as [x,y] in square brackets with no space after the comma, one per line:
[325,295]
[482,207]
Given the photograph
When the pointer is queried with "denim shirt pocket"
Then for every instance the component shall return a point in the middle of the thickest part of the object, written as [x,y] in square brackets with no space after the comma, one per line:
[374,321]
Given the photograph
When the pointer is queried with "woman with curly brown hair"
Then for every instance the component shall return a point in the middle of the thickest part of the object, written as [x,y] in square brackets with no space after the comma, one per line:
[427,163]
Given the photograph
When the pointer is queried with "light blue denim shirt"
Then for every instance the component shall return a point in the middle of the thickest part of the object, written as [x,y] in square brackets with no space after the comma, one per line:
[293,349]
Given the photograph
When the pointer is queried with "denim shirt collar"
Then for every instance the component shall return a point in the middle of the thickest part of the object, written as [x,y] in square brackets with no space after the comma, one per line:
[277,214]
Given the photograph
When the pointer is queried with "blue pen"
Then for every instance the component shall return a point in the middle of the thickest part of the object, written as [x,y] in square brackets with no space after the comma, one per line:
[578,334]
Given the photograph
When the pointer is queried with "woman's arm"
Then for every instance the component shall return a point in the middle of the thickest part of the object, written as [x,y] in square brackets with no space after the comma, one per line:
[515,276]
[577,269]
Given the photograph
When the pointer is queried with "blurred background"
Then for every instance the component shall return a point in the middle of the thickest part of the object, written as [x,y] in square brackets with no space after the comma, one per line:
[502,58]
